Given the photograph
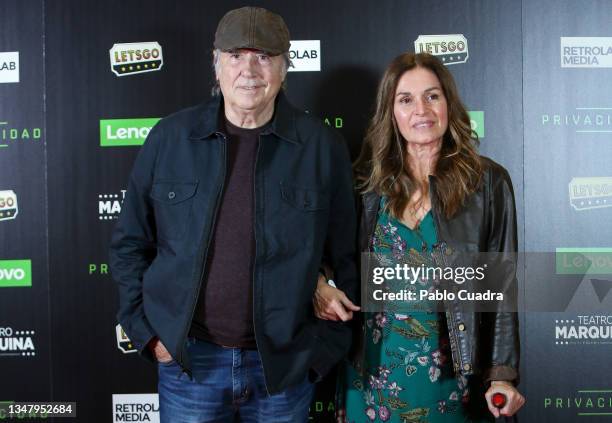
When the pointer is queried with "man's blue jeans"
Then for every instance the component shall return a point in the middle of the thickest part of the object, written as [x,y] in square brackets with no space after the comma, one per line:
[227,386]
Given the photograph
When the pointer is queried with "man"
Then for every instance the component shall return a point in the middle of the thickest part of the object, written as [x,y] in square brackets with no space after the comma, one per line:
[230,208]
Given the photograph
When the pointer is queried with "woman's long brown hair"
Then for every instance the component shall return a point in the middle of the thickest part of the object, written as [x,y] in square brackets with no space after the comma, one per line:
[381,167]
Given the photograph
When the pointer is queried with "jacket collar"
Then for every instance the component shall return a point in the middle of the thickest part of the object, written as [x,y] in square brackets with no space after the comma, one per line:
[283,122]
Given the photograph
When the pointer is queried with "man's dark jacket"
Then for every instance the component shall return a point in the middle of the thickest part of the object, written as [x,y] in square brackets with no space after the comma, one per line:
[303,209]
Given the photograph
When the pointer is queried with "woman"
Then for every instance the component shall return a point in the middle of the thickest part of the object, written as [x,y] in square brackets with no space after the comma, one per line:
[423,187]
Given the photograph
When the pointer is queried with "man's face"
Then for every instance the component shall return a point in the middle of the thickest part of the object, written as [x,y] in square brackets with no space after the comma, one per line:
[249,79]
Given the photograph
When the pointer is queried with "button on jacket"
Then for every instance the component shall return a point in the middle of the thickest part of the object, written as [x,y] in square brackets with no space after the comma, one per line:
[304,209]
[484,343]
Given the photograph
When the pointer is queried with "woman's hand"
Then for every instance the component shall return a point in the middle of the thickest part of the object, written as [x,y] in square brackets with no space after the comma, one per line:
[514,399]
[331,303]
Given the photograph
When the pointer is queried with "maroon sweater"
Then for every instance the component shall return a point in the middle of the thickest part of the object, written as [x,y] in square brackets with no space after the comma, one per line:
[224,312]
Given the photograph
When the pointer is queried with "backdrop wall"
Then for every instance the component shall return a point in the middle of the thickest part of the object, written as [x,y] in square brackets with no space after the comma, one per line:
[535,76]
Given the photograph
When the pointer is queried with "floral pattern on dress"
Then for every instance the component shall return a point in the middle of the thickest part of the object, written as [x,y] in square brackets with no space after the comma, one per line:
[408,375]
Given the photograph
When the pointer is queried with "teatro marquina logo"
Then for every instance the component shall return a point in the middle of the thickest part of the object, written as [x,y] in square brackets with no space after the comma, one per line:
[586,52]
[9,67]
[450,48]
[109,205]
[16,343]
[305,56]
[133,58]
[584,330]
[590,193]
[8,205]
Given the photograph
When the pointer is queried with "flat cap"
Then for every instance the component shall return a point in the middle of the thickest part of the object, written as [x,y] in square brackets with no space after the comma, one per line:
[252,27]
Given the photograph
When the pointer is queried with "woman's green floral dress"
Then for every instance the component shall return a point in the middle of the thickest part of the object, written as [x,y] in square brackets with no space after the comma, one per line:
[408,373]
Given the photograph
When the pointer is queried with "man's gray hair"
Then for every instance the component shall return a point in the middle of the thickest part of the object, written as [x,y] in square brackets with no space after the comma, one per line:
[216,89]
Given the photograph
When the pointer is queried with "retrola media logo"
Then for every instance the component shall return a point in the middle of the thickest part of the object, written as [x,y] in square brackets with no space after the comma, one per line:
[9,67]
[584,403]
[135,408]
[8,205]
[590,193]
[109,205]
[10,134]
[15,273]
[305,56]
[450,48]
[133,58]
[586,52]
[125,132]
[16,343]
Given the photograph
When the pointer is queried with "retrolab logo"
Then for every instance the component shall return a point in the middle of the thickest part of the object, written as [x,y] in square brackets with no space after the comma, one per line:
[125,132]
[16,343]
[15,273]
[584,330]
[123,342]
[135,408]
[305,56]
[8,205]
[586,52]
[450,48]
[133,58]
[9,67]
[590,193]
[109,205]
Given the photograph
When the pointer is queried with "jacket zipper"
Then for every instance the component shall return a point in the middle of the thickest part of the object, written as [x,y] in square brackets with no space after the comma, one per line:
[203,257]
[255,260]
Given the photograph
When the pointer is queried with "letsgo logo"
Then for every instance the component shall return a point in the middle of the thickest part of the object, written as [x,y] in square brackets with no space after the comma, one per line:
[133,58]
[305,56]
[123,342]
[586,52]
[125,132]
[590,193]
[109,205]
[16,343]
[450,48]
[9,67]
[15,273]
[135,408]
[8,205]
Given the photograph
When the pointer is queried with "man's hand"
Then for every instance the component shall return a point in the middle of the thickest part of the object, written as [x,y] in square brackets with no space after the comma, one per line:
[514,400]
[331,303]
[159,351]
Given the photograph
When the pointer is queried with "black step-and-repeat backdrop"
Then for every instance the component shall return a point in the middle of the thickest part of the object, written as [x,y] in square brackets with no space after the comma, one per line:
[82,83]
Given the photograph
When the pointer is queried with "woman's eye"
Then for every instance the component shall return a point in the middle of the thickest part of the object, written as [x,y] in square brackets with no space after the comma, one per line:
[405,100]
[433,97]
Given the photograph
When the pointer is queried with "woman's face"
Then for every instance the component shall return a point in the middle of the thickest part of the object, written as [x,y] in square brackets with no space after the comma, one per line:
[420,108]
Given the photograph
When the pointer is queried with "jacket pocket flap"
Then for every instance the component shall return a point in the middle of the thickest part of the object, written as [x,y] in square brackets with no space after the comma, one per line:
[304,198]
[173,192]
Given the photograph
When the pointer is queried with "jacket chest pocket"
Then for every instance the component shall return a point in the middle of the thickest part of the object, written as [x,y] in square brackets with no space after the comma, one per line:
[173,204]
[305,199]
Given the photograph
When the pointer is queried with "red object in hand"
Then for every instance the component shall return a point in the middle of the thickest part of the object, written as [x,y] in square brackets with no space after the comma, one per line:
[498,399]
